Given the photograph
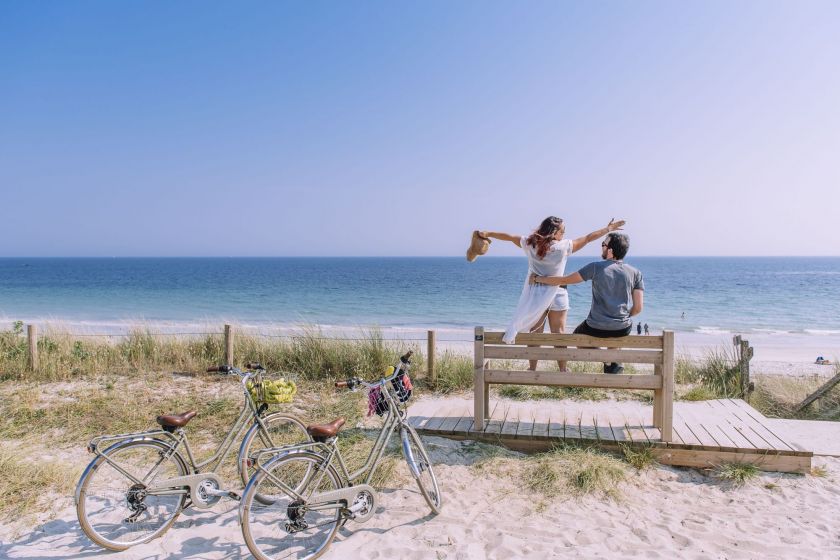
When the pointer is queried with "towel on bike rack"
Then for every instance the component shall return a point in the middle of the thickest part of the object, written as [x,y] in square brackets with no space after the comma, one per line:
[376,402]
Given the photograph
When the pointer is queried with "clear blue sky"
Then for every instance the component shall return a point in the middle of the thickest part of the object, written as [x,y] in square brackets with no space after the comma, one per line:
[396,128]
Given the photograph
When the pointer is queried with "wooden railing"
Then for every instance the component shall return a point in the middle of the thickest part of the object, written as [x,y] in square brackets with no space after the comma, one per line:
[656,350]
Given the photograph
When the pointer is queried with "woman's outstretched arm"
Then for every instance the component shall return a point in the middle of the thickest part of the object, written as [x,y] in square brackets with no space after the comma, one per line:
[515,239]
[581,242]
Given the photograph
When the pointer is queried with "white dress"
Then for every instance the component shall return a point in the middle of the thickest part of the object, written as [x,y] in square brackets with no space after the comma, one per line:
[537,298]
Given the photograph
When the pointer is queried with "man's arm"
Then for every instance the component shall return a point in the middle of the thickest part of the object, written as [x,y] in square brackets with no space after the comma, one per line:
[638,302]
[573,278]
[502,236]
[581,242]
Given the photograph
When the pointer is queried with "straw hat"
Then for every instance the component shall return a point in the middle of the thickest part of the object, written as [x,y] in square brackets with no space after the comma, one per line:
[478,246]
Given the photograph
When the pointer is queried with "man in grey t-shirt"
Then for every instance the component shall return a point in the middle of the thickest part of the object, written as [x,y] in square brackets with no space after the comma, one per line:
[617,292]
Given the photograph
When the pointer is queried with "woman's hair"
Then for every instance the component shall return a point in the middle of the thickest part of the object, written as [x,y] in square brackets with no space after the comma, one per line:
[542,238]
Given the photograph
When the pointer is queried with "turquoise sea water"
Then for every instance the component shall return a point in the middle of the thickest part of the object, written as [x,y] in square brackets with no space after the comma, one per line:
[716,294]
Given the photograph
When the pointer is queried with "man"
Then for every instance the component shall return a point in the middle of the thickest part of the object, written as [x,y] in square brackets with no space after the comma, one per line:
[617,292]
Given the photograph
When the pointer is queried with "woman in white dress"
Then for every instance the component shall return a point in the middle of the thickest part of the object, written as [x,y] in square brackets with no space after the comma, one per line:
[547,251]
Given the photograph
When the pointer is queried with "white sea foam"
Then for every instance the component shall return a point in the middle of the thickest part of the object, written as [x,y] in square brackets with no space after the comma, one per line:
[822,332]
[711,330]
[771,331]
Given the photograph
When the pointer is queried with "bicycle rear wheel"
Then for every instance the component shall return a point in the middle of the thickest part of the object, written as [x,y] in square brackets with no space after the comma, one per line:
[114,511]
[289,527]
[420,467]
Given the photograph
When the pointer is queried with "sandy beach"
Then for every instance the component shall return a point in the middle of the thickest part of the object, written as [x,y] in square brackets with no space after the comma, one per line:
[660,512]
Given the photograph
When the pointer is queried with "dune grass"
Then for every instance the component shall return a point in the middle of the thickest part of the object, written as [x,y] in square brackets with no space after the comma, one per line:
[737,474]
[28,486]
[574,471]
[639,457]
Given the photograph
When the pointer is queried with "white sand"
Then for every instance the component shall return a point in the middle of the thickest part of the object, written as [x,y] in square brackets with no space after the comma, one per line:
[662,513]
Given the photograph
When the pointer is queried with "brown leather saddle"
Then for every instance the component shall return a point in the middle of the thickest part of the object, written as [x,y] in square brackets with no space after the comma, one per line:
[170,422]
[322,432]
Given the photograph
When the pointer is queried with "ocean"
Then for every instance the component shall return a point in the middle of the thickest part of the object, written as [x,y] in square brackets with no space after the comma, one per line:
[695,294]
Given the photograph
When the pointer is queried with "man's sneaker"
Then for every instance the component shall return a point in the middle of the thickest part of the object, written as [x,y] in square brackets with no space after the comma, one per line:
[613,368]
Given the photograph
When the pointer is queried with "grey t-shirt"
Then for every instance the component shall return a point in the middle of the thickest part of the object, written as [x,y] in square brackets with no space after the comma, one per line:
[613,283]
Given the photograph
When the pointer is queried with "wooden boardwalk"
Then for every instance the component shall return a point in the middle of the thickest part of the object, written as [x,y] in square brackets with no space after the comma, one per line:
[706,433]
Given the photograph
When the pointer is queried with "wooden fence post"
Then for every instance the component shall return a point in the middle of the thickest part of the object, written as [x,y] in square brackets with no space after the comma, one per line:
[228,345]
[430,358]
[479,387]
[32,339]
[667,403]
[745,354]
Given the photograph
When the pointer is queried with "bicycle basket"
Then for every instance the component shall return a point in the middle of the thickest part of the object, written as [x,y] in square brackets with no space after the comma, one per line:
[272,391]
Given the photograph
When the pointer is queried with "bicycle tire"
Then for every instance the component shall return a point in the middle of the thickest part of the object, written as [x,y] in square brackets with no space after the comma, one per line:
[284,429]
[420,467]
[105,512]
[280,529]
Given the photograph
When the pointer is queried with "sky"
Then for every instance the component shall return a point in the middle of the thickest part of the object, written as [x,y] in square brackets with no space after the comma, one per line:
[396,128]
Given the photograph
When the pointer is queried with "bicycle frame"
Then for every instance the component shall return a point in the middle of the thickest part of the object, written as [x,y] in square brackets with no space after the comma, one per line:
[249,415]
[329,450]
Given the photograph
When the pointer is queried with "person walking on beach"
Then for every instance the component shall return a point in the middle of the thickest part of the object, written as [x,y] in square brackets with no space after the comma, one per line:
[647,330]
[617,292]
[547,251]
[638,328]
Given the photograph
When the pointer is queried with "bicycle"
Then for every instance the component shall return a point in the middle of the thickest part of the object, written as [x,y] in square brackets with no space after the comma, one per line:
[134,489]
[311,500]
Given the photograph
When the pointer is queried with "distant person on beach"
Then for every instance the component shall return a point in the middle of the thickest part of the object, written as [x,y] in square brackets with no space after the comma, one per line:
[547,251]
[683,315]
[647,330]
[638,328]
[617,293]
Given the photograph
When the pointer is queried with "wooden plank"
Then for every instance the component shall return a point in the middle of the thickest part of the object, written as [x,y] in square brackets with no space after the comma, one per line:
[826,387]
[769,439]
[726,424]
[526,425]
[497,421]
[476,433]
[542,419]
[577,340]
[759,418]
[464,425]
[555,378]
[511,424]
[711,459]
[479,383]
[557,427]
[572,354]
[452,416]
[696,433]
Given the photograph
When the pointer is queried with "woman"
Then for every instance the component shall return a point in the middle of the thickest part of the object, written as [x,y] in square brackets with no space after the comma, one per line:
[547,252]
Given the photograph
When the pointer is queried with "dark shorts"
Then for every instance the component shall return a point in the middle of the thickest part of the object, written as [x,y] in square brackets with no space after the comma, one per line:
[584,328]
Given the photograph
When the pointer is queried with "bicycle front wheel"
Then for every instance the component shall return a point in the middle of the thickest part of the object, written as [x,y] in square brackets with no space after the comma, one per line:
[420,467]
[281,429]
[115,511]
[290,527]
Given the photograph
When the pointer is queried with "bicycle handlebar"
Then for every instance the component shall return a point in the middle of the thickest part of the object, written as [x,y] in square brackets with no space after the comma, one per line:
[219,369]
[353,382]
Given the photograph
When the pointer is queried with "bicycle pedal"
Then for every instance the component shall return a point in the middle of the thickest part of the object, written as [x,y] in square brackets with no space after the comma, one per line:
[234,496]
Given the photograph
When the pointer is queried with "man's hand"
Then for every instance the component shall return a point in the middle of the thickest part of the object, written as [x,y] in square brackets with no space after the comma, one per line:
[613,225]
[532,279]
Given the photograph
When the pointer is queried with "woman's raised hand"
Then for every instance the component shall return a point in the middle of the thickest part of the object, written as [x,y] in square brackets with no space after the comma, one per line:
[613,225]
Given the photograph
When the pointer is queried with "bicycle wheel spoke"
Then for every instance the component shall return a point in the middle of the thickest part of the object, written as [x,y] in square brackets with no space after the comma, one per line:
[287,527]
[117,512]
[421,468]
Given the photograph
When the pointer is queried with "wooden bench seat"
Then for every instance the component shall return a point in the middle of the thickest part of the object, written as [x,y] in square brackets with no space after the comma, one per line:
[655,350]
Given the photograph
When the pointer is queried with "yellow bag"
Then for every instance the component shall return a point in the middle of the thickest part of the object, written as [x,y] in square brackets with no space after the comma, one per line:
[272,391]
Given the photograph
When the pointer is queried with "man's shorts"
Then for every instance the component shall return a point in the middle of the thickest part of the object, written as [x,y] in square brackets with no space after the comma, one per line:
[584,328]
[561,301]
